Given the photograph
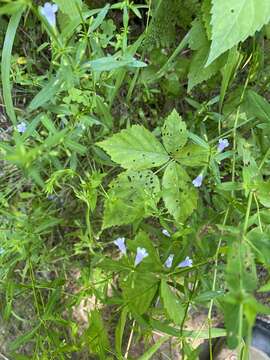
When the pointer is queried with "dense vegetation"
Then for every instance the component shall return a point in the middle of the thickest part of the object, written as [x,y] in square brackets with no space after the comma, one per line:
[135,176]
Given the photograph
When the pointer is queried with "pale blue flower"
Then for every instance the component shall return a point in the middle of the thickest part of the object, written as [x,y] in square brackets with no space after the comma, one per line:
[48,11]
[120,243]
[2,251]
[141,254]
[169,261]
[222,144]
[166,233]
[197,182]
[21,127]
[186,263]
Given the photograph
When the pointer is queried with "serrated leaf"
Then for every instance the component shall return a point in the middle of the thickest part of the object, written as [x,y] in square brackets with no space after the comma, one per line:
[135,148]
[172,303]
[174,133]
[179,196]
[131,197]
[193,155]
[234,21]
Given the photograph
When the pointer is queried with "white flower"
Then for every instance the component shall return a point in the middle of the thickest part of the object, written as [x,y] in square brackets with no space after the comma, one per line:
[166,233]
[186,263]
[21,127]
[141,254]
[222,144]
[169,261]
[49,11]
[120,243]
[197,182]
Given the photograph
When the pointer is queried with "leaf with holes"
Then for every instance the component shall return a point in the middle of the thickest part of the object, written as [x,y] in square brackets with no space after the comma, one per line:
[172,303]
[135,148]
[174,133]
[131,197]
[179,196]
[234,21]
[193,155]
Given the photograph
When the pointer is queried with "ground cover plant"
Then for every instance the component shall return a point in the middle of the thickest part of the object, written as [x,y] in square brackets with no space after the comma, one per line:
[134,176]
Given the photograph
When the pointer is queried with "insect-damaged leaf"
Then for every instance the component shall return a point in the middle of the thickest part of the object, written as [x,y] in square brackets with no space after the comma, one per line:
[179,196]
[132,196]
[174,133]
[135,148]
[193,155]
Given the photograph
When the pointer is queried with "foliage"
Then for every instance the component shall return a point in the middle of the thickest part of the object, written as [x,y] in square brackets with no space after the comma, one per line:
[134,176]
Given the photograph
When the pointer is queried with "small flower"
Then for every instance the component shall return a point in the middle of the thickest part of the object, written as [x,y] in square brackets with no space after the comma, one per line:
[166,233]
[49,11]
[120,243]
[197,182]
[141,254]
[169,261]
[2,251]
[21,127]
[186,263]
[222,144]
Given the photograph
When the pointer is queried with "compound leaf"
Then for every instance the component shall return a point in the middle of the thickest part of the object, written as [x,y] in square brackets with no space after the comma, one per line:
[135,148]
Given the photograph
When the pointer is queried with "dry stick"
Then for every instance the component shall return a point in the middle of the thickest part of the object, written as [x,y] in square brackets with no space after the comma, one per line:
[3,357]
[130,340]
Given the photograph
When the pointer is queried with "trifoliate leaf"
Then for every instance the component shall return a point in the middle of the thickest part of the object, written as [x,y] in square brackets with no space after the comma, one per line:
[172,303]
[179,195]
[132,196]
[174,133]
[233,21]
[135,148]
[193,155]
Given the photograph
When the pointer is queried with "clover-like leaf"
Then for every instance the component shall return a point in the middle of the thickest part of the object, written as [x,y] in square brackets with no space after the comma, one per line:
[174,133]
[179,196]
[131,197]
[135,148]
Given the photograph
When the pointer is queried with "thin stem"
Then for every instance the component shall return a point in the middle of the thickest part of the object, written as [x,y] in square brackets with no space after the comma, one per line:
[130,340]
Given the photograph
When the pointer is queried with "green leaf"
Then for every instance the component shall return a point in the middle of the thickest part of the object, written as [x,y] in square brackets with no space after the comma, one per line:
[6,62]
[174,133]
[263,193]
[71,8]
[233,21]
[135,148]
[198,72]
[257,106]
[96,335]
[180,197]
[139,290]
[193,155]
[46,94]
[150,352]
[119,332]
[131,197]
[172,303]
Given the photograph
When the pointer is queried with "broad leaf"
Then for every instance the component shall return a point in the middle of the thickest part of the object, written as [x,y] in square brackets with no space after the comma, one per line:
[174,133]
[131,197]
[233,21]
[172,303]
[72,8]
[139,290]
[193,155]
[135,148]
[264,193]
[179,195]
[257,106]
